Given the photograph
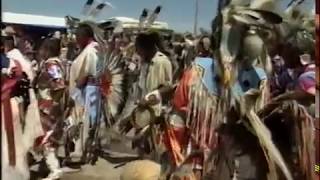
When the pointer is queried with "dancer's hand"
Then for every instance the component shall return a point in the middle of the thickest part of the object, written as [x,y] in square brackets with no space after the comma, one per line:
[150,100]
[82,82]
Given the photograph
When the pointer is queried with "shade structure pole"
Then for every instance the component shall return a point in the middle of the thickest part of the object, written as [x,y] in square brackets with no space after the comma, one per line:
[196,14]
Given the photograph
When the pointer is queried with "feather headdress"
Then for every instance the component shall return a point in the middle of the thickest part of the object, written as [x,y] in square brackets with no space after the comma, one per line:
[146,20]
[90,11]
[298,27]
[143,18]
[234,20]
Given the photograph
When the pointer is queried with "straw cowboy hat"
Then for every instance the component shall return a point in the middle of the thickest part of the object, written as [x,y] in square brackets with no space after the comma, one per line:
[8,31]
[141,170]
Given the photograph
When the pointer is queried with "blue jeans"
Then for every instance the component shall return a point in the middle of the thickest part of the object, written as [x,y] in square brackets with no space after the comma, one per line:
[93,103]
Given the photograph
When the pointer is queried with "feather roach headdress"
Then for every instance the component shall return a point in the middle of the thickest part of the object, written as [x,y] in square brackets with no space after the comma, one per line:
[146,20]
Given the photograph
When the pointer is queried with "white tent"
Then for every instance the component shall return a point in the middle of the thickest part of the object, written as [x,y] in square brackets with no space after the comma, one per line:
[128,23]
[33,20]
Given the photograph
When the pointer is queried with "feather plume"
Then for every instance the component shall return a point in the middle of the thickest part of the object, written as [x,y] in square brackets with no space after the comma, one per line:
[87,7]
[267,5]
[143,18]
[99,7]
[240,2]
[153,16]
[113,84]
[71,22]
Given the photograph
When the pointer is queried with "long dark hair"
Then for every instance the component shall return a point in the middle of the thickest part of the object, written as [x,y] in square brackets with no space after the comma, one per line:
[159,43]
[72,51]
[50,48]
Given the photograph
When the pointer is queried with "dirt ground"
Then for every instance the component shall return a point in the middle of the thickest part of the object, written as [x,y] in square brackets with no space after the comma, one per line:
[103,170]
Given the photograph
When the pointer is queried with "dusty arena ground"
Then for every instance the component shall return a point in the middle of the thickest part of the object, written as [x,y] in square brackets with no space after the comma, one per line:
[103,170]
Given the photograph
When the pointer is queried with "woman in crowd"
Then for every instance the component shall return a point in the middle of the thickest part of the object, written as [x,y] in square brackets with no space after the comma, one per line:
[51,87]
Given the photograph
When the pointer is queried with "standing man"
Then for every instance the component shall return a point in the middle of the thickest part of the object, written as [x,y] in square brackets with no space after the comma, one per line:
[51,87]
[83,85]
[156,69]
[155,72]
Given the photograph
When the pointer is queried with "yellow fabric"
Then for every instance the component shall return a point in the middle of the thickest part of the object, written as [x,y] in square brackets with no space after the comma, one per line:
[84,65]
[159,73]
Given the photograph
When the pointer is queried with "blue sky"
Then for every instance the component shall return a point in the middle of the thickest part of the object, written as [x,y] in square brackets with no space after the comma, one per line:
[178,13]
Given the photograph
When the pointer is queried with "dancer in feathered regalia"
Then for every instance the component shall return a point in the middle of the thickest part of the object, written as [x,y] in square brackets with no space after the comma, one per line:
[190,129]
[20,113]
[83,74]
[51,91]
[95,84]
[247,57]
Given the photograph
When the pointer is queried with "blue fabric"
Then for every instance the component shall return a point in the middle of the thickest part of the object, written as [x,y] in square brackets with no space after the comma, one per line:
[92,103]
[249,79]
[210,73]
[4,61]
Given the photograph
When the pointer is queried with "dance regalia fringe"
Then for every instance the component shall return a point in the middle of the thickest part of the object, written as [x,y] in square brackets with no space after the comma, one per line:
[204,113]
[51,91]
[203,118]
[14,149]
[7,87]
[301,124]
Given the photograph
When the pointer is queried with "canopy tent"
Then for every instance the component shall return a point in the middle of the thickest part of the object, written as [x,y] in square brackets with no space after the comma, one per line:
[33,27]
[130,23]
[33,20]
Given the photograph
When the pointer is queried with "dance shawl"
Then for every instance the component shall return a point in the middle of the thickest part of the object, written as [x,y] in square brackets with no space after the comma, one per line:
[8,85]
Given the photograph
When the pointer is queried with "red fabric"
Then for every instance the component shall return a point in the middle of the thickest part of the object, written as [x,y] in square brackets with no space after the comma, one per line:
[105,83]
[8,124]
[181,96]
[47,120]
[175,140]
[7,86]
[8,83]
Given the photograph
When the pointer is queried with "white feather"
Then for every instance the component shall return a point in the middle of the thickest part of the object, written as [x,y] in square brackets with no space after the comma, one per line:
[268,5]
[87,7]
[240,2]
[95,11]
